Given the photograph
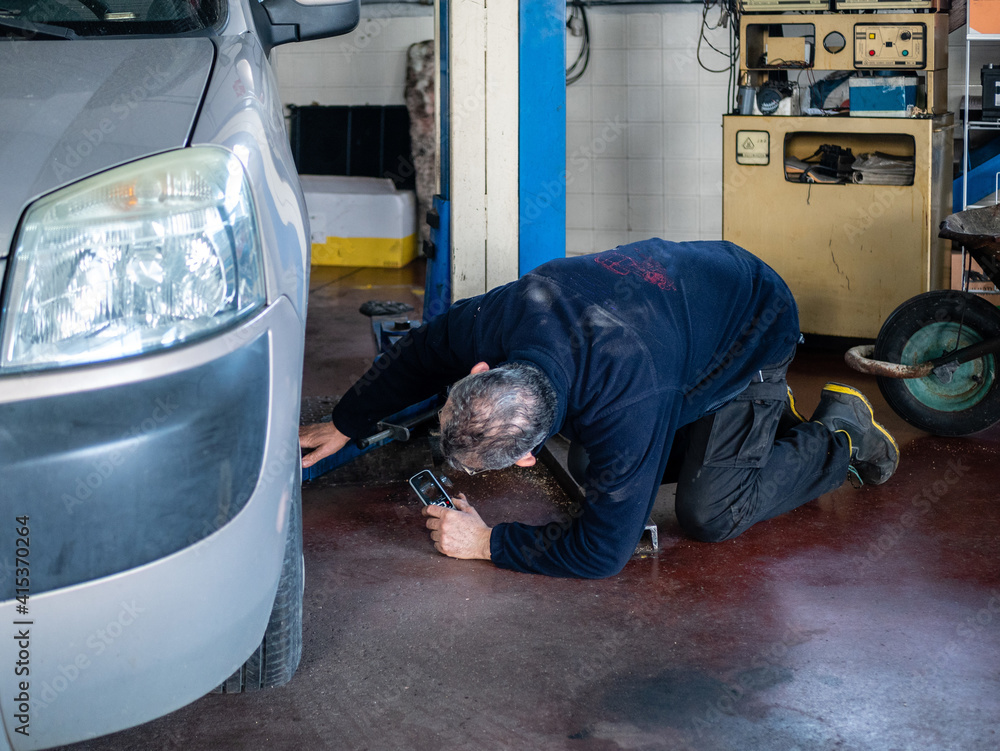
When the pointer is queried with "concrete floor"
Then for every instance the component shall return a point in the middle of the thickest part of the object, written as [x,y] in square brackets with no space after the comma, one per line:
[868,619]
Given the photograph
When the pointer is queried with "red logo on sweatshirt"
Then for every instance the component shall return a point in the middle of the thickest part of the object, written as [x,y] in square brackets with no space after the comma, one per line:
[650,271]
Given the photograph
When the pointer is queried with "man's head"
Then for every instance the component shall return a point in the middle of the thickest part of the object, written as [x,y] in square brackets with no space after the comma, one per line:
[494,417]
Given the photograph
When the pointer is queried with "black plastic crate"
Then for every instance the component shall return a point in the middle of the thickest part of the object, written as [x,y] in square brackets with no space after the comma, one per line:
[363,141]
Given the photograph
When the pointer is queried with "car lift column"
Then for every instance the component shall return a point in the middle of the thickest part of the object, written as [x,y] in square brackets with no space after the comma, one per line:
[503,137]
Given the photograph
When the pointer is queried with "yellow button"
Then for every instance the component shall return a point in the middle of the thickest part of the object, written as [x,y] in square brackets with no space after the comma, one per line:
[871,36]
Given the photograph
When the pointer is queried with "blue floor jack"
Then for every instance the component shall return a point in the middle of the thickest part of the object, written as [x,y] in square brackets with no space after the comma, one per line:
[387,331]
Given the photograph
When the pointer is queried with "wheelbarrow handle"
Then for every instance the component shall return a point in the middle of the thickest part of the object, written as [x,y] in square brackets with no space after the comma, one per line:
[859,358]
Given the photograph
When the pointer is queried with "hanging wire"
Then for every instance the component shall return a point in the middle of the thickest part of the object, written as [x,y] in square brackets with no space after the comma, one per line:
[578,14]
[702,38]
[733,8]
[729,18]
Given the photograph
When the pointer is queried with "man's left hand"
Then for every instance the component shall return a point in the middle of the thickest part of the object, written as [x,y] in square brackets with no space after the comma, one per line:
[459,532]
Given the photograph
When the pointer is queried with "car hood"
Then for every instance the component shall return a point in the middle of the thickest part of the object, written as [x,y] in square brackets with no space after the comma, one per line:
[73,108]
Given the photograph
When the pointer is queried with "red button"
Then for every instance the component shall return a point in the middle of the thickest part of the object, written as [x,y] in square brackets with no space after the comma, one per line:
[871,53]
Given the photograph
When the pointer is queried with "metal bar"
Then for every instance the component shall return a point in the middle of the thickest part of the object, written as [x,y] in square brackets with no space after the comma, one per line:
[561,475]
[399,431]
[967,354]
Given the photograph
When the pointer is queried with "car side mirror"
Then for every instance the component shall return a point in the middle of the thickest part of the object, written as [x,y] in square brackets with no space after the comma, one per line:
[283,21]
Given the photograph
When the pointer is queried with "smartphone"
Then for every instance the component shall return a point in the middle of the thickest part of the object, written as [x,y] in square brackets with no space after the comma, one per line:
[429,489]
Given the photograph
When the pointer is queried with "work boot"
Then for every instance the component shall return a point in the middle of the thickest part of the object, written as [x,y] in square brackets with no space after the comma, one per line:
[874,453]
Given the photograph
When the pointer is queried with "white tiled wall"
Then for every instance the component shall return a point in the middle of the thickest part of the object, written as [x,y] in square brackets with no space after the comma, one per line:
[367,66]
[644,130]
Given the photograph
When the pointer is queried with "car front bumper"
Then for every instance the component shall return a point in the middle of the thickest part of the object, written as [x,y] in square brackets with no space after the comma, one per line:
[157,492]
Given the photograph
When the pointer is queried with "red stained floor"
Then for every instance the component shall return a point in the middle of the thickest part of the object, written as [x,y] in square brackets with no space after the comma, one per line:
[868,619]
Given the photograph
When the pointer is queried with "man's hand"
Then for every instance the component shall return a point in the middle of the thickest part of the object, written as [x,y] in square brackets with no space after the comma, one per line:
[459,532]
[324,438]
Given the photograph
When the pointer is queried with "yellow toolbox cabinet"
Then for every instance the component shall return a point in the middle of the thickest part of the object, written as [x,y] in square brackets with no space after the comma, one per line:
[850,253]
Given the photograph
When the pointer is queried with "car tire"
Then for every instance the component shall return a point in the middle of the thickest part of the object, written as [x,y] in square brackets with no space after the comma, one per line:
[274,661]
[925,327]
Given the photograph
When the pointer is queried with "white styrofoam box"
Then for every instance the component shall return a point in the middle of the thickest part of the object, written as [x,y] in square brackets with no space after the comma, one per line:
[360,221]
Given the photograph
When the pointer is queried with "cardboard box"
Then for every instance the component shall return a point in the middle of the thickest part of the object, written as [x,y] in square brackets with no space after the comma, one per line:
[360,221]
[984,17]
[787,51]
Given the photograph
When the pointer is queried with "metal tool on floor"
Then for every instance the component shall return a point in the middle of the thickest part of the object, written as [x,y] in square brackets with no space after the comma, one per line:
[654,535]
[572,489]
[391,431]
[388,331]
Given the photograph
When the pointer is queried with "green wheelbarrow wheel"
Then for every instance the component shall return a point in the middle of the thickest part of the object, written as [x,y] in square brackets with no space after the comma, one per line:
[926,327]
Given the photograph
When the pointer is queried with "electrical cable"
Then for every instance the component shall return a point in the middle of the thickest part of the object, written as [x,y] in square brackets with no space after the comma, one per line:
[578,13]
[701,37]
[729,18]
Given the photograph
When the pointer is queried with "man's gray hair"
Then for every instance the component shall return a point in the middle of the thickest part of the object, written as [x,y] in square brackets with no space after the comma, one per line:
[496,417]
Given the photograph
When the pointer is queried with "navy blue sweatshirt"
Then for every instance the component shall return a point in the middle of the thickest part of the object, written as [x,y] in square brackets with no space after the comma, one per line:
[637,341]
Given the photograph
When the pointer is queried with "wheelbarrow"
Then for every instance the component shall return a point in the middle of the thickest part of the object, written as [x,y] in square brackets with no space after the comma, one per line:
[936,355]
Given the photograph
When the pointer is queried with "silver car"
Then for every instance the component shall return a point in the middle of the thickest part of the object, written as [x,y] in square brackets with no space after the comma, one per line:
[154,259]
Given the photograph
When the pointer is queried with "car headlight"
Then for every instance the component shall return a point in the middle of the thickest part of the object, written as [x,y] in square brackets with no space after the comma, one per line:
[139,258]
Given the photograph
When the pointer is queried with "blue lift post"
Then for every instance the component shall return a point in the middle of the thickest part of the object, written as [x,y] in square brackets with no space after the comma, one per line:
[437,284]
[542,133]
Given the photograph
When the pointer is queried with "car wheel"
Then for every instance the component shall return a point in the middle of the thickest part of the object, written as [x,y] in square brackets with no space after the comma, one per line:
[926,327]
[277,656]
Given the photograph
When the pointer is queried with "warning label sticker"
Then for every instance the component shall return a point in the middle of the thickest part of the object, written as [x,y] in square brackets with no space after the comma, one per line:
[753,147]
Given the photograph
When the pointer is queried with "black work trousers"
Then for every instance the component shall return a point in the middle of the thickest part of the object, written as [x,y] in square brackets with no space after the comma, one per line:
[748,461]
